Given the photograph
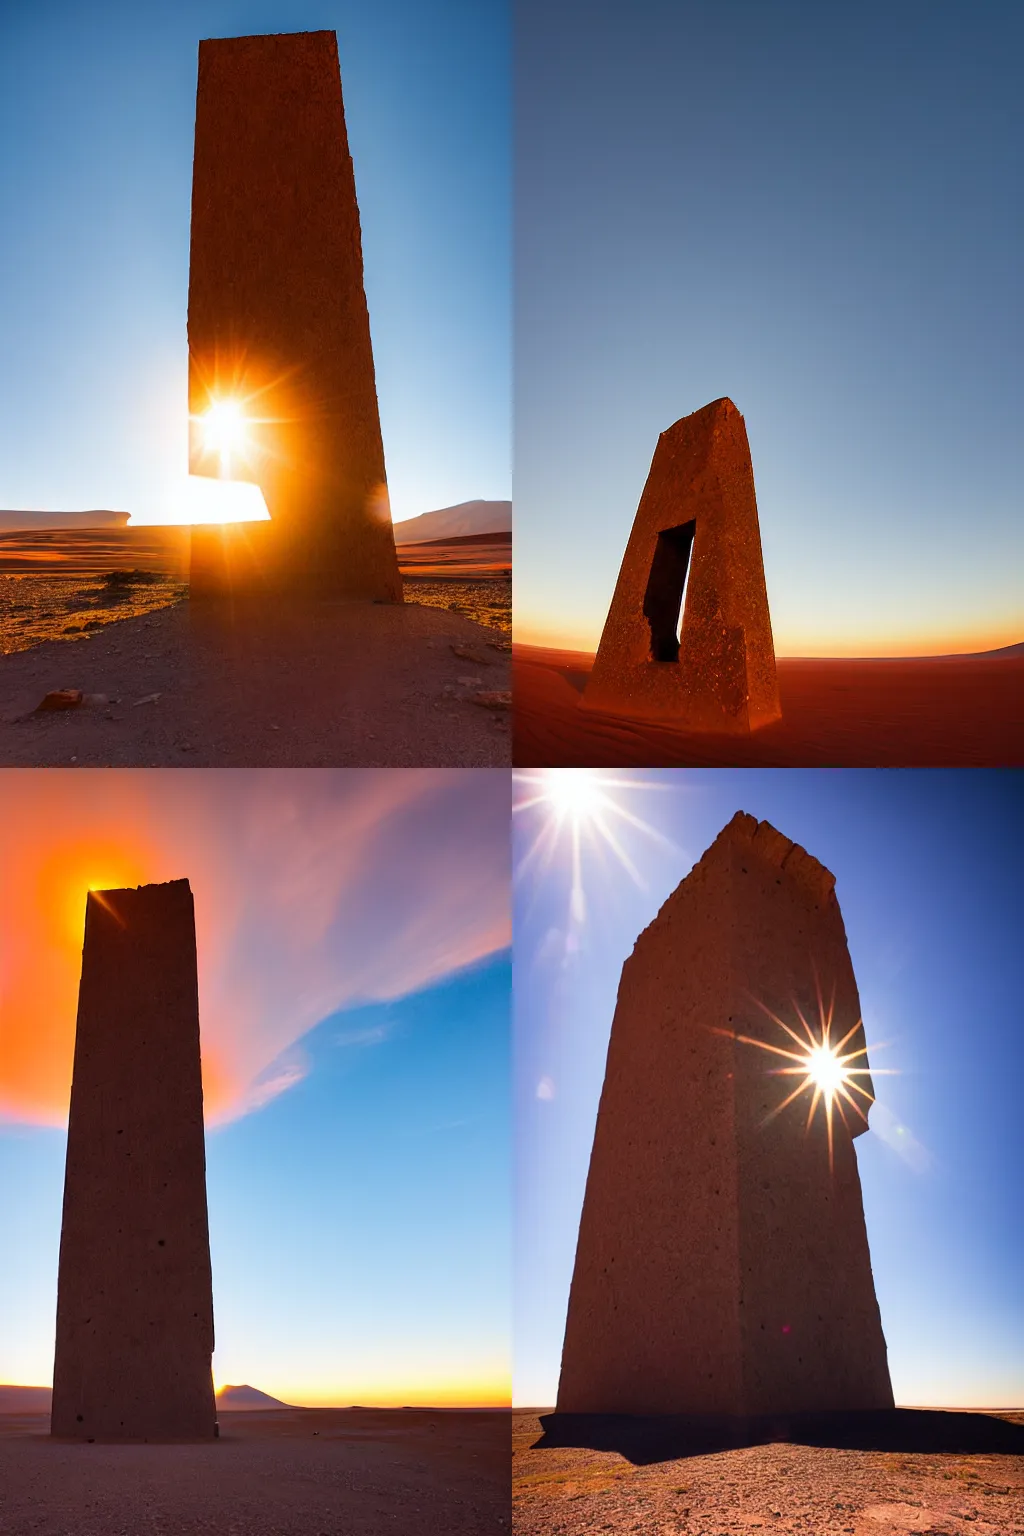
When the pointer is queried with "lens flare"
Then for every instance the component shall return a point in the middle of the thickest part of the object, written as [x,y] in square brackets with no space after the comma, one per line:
[826,1070]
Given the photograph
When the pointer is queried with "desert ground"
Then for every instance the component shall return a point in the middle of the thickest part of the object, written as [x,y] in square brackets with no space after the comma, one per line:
[104,614]
[296,1472]
[955,711]
[923,1472]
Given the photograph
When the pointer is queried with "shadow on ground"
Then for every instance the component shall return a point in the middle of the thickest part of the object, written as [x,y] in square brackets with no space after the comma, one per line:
[643,1440]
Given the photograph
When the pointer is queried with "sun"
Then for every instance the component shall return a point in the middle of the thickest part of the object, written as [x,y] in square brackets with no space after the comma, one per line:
[225,430]
[582,809]
[574,792]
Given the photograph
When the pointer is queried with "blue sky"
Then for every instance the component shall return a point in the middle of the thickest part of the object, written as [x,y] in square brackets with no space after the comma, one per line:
[97,107]
[354,984]
[810,209]
[927,868]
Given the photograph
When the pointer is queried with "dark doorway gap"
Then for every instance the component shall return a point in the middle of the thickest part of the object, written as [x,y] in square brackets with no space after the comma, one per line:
[666,589]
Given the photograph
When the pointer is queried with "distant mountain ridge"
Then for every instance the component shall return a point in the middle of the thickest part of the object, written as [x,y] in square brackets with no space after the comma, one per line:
[467,518]
[13,521]
[246,1398]
[462,521]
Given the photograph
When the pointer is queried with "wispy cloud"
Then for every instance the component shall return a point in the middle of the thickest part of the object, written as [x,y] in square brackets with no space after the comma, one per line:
[314,891]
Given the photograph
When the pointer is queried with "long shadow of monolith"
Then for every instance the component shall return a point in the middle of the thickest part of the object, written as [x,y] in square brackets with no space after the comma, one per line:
[923,1431]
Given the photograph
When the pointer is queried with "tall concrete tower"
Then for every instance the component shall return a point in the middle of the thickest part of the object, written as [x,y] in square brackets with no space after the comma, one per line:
[278,328]
[134,1289]
[694,553]
[722,1264]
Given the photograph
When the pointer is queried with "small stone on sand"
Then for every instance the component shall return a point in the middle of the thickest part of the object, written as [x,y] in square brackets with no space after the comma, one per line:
[62,698]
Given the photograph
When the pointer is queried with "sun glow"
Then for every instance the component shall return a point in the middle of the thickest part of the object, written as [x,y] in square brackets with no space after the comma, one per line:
[225,431]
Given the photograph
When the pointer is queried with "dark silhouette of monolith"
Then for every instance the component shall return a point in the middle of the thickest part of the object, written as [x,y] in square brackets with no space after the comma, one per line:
[695,548]
[722,1264]
[277,320]
[134,1291]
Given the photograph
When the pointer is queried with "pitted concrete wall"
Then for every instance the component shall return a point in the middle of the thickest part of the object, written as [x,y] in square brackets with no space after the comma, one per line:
[698,509]
[277,314]
[134,1297]
[722,1267]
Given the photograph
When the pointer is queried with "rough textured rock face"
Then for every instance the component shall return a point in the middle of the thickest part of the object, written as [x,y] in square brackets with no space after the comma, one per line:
[722,1266]
[696,526]
[277,318]
[134,1290]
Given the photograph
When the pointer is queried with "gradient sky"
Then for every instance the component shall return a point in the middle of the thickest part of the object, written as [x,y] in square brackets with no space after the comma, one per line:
[927,866]
[354,994]
[812,209]
[97,111]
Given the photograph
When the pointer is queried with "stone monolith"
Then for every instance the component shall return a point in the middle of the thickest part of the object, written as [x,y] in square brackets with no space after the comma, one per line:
[277,321]
[134,1291]
[722,1265]
[695,549]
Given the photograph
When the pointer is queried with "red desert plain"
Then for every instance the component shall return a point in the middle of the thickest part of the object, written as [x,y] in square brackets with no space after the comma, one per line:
[103,611]
[881,712]
[922,1473]
[273,1472]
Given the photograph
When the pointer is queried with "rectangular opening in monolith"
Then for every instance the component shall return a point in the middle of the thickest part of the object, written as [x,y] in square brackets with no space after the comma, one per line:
[666,589]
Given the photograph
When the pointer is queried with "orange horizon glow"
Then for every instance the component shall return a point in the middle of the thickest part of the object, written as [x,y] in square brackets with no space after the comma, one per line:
[447,1395]
[584,641]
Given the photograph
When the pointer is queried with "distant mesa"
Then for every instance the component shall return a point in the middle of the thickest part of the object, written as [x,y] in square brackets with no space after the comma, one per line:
[11,522]
[462,521]
[245,1399]
[688,638]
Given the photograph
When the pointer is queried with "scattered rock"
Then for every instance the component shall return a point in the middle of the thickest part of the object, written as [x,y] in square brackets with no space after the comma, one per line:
[469,682]
[500,645]
[468,653]
[496,700]
[61,698]
[150,698]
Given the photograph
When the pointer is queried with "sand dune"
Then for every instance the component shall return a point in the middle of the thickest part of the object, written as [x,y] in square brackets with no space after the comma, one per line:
[955,711]
[475,555]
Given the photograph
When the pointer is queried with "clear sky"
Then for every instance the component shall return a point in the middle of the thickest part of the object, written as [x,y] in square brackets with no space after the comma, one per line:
[927,868]
[353,934]
[811,209]
[97,111]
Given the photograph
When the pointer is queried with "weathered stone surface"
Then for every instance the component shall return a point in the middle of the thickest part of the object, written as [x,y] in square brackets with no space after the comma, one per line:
[134,1292]
[277,318]
[722,1266]
[696,526]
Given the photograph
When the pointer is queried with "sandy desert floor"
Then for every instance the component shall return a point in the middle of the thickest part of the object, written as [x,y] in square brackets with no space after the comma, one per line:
[691,1490]
[275,685]
[934,712]
[303,1472]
